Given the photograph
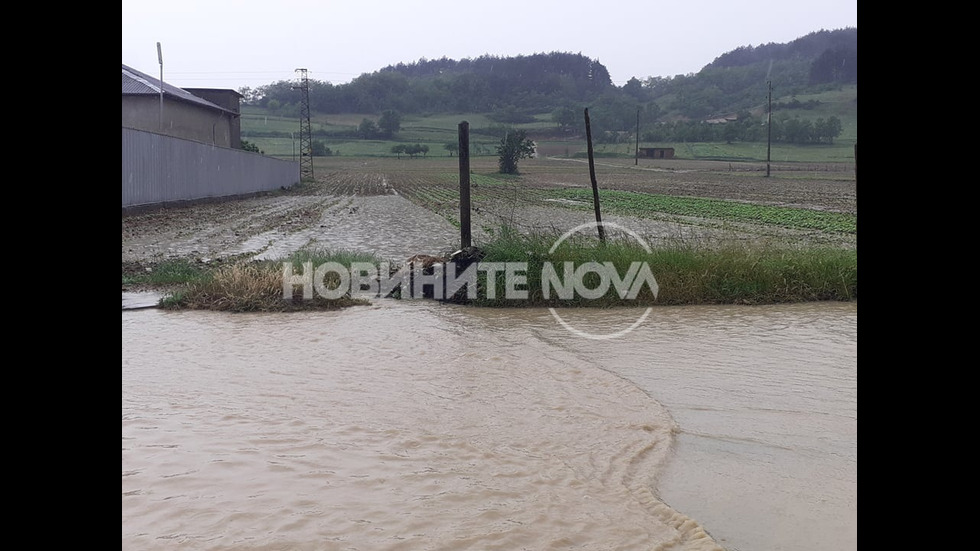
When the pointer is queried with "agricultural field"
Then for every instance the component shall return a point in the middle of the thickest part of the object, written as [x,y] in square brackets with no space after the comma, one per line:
[811,199]
[398,208]
[434,182]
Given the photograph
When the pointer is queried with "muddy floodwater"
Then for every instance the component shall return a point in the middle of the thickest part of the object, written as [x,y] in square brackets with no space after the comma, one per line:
[413,425]
[417,425]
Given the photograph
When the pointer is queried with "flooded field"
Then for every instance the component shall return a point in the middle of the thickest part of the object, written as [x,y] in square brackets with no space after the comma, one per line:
[398,208]
[416,425]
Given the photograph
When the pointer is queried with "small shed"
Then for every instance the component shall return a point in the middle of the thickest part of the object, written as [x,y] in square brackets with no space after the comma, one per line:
[657,152]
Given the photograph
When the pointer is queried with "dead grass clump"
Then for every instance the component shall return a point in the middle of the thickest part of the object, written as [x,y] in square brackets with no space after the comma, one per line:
[250,287]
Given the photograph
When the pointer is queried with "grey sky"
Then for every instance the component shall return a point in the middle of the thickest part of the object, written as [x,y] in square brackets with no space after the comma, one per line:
[231,44]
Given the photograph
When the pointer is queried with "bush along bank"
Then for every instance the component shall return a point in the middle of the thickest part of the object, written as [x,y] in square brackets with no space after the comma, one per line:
[244,285]
[517,270]
[621,272]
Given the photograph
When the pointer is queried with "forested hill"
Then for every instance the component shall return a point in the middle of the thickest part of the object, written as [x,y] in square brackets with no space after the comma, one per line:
[511,89]
[533,83]
[822,47]
[541,72]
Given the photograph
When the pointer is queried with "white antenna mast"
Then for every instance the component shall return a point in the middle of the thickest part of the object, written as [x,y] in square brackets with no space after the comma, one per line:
[160,58]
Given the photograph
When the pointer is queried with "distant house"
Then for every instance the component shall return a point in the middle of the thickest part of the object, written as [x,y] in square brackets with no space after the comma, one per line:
[210,116]
[657,152]
[723,120]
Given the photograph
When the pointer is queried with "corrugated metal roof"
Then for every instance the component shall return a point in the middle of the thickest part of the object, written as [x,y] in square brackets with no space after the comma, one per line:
[135,83]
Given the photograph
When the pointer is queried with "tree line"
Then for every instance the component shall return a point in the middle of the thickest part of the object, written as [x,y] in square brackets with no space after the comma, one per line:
[748,129]
[483,85]
[512,90]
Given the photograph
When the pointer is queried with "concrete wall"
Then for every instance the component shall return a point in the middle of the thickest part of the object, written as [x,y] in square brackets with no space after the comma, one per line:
[180,119]
[163,169]
[230,100]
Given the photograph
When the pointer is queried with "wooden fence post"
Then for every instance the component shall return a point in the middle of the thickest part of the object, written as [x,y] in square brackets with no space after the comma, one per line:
[595,185]
[465,235]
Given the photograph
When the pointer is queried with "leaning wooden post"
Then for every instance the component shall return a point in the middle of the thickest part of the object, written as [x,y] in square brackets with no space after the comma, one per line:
[595,185]
[465,236]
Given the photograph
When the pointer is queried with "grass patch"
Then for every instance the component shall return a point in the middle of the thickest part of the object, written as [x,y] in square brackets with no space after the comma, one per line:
[164,274]
[249,286]
[730,274]
[253,287]
[747,275]
[737,273]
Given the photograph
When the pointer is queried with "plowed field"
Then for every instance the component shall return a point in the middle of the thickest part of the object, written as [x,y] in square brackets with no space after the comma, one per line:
[398,208]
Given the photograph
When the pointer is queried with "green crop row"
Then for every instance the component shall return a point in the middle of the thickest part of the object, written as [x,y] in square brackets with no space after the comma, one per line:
[640,204]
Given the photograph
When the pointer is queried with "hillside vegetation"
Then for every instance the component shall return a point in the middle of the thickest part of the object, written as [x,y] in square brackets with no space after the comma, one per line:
[813,83]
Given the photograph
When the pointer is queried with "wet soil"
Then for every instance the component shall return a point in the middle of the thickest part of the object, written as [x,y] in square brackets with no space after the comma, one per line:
[399,208]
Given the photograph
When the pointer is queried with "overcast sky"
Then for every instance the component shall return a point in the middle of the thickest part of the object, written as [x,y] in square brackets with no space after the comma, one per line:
[231,44]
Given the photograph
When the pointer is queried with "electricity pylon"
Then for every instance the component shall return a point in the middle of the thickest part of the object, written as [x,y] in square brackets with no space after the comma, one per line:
[305,132]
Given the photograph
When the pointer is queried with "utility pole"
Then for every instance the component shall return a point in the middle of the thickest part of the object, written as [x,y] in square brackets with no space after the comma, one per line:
[305,132]
[769,129]
[465,232]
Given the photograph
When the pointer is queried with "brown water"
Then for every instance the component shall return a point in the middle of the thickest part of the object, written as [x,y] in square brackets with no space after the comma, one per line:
[415,425]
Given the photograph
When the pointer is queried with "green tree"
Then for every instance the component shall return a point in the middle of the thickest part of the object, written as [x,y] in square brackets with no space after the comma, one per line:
[398,149]
[451,147]
[634,88]
[827,130]
[249,96]
[513,147]
[797,130]
[611,115]
[729,132]
[320,149]
[415,149]
[565,117]
[368,129]
[389,123]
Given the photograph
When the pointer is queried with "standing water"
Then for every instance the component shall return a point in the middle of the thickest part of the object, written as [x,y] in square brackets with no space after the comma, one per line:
[417,425]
